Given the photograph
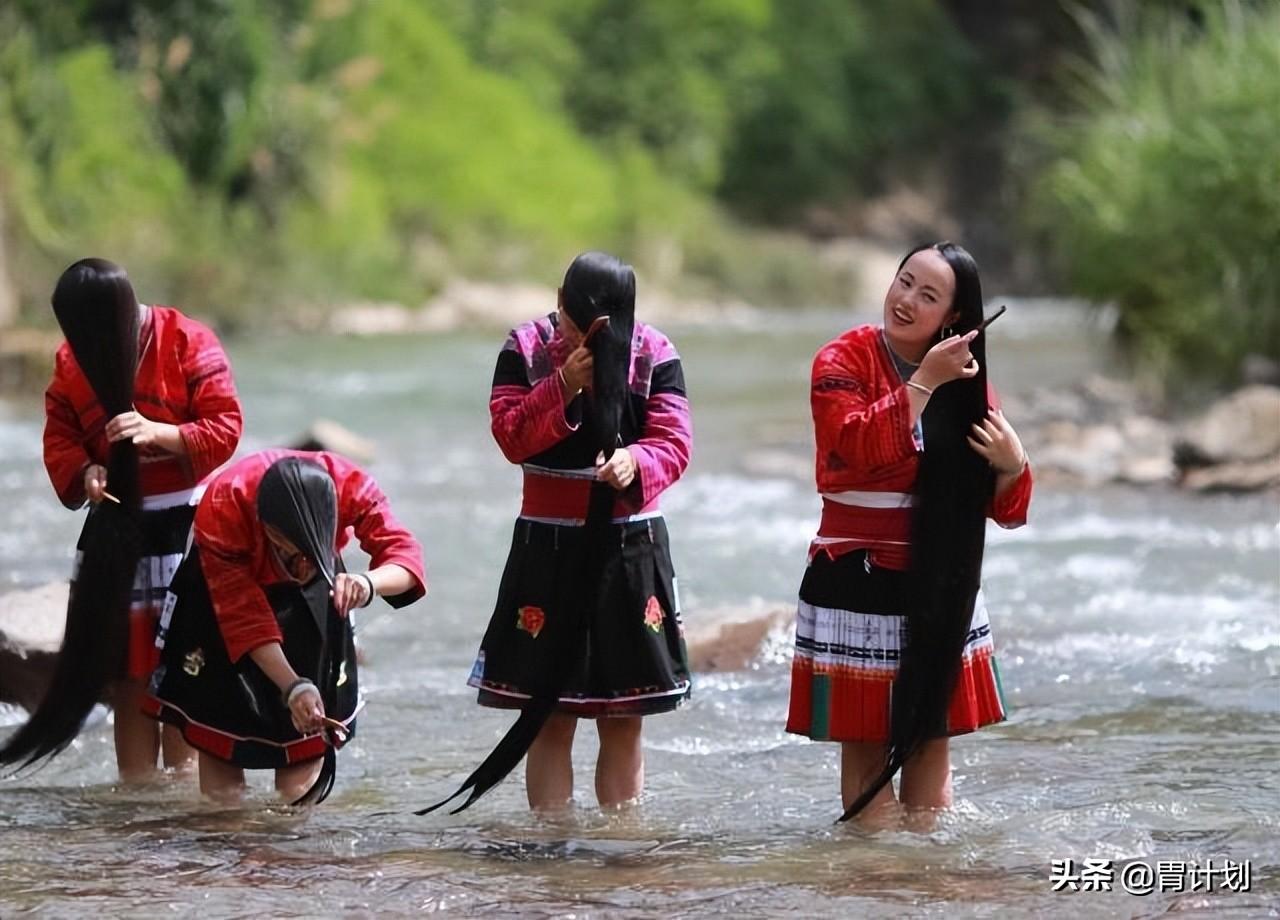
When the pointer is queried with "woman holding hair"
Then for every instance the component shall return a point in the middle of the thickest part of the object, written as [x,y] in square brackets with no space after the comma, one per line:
[258,665]
[893,645]
[176,420]
[591,403]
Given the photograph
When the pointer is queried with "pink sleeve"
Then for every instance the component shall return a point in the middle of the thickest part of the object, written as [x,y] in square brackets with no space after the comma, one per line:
[212,438]
[662,453]
[526,420]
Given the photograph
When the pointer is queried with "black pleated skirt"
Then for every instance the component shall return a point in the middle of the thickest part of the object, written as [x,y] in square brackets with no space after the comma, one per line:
[627,654]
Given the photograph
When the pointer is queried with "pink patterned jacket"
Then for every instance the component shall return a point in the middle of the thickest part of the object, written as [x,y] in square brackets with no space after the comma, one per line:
[534,427]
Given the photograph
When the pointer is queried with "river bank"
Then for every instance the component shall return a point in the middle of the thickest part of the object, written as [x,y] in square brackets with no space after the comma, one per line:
[1082,430]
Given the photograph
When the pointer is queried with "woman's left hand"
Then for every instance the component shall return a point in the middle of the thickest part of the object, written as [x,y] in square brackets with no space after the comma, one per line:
[619,470]
[997,442]
[144,433]
[349,592]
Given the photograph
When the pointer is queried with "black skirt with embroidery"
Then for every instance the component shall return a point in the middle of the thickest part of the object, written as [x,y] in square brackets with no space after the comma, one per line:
[630,657]
[233,711]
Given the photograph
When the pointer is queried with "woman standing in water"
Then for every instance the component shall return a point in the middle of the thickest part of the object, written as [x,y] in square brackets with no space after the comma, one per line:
[178,420]
[893,646]
[258,666]
[591,403]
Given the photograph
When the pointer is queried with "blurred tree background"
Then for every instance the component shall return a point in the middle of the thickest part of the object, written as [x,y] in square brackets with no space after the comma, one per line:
[244,156]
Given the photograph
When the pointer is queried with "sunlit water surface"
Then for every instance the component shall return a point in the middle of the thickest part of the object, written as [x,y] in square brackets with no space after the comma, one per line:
[1138,631]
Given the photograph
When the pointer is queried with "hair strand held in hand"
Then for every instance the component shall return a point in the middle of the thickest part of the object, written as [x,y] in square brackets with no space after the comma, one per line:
[95,305]
[948,532]
[596,284]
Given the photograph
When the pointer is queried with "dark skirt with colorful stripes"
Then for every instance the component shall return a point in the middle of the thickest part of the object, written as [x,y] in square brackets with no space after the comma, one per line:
[628,658]
[164,539]
[231,710]
[850,632]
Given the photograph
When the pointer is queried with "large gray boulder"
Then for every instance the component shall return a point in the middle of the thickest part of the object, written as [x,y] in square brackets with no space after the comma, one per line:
[31,625]
[1242,428]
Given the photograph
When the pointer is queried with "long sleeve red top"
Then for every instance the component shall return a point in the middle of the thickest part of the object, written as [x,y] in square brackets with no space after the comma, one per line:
[236,556]
[867,455]
[184,379]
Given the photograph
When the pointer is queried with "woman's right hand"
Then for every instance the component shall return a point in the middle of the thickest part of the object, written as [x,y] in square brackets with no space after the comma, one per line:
[576,371]
[95,482]
[307,710]
[949,360]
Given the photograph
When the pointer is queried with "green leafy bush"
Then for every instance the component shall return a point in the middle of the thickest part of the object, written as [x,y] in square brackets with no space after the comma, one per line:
[1163,195]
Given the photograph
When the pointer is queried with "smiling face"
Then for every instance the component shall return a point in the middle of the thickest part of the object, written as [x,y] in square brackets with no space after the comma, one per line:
[294,562]
[918,304]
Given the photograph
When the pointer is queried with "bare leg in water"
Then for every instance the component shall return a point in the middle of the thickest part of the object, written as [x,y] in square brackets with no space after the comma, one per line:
[293,782]
[137,736]
[548,769]
[224,782]
[925,784]
[177,754]
[860,763]
[620,766]
[221,781]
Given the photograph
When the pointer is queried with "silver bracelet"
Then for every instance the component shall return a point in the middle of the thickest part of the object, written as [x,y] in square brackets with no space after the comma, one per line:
[295,688]
[919,386]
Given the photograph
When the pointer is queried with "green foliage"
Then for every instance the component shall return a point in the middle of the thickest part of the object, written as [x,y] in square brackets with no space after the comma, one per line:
[237,154]
[1164,194]
[668,77]
[83,171]
[859,93]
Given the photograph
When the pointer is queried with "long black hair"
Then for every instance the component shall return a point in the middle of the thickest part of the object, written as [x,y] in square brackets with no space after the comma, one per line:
[595,284]
[299,498]
[948,533]
[96,307]
[598,284]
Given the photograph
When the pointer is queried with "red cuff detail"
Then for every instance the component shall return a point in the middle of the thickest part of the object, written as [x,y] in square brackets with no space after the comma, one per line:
[1010,509]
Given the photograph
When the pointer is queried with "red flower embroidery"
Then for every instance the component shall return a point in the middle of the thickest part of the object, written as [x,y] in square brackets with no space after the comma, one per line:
[653,615]
[531,620]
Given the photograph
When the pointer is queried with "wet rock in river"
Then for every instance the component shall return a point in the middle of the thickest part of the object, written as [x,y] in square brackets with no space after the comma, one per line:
[31,625]
[736,644]
[328,435]
[1242,428]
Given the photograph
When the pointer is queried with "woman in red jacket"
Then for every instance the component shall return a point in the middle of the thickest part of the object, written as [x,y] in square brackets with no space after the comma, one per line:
[912,455]
[258,665]
[186,422]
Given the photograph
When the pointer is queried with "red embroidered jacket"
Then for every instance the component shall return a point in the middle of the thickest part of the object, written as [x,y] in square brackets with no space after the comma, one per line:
[534,427]
[867,454]
[184,379]
[237,559]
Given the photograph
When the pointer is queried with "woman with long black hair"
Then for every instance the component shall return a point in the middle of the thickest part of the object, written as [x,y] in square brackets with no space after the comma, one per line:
[258,665]
[893,644]
[141,409]
[591,403]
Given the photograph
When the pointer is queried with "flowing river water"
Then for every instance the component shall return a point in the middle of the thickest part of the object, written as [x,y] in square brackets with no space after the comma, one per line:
[1138,633]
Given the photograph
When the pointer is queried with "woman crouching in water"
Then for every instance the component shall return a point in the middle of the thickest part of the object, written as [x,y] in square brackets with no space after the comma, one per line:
[258,665]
